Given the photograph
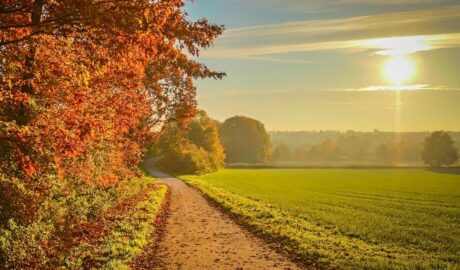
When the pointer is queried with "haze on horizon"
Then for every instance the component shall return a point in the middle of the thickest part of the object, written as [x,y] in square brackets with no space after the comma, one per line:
[335,65]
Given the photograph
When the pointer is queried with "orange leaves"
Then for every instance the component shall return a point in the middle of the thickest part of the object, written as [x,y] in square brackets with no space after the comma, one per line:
[92,80]
[26,164]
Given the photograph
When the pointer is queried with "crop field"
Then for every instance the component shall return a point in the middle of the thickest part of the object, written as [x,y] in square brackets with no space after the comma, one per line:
[347,218]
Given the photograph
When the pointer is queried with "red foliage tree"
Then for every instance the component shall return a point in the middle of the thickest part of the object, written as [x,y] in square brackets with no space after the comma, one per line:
[84,83]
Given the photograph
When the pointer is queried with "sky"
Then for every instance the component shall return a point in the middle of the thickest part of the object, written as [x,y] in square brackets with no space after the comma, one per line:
[334,64]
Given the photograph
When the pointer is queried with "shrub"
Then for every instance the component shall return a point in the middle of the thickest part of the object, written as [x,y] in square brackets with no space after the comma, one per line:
[37,219]
[21,245]
[189,159]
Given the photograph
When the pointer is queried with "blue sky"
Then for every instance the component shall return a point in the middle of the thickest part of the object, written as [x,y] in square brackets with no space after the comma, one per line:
[310,65]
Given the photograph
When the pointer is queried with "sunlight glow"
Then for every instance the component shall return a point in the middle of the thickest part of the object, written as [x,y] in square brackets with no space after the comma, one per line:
[399,69]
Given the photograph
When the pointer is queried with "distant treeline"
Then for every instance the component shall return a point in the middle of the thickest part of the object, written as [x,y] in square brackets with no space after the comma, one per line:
[327,147]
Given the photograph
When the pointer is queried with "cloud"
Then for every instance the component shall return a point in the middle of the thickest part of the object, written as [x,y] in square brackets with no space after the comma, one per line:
[322,5]
[415,87]
[391,33]
[274,59]
[410,44]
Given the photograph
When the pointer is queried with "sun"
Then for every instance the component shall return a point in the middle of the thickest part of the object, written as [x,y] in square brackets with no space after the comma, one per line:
[399,69]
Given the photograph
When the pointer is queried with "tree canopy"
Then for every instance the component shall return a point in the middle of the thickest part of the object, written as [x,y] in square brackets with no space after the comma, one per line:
[439,150]
[194,150]
[281,153]
[84,83]
[245,140]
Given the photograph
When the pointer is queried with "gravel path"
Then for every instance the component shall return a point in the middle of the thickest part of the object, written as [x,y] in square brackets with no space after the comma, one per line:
[198,236]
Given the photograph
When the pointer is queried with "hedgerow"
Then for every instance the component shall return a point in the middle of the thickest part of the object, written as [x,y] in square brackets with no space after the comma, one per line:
[120,219]
[36,225]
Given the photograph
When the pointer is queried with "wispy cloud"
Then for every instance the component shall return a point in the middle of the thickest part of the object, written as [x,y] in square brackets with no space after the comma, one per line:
[274,59]
[401,32]
[316,5]
[415,87]
[410,44]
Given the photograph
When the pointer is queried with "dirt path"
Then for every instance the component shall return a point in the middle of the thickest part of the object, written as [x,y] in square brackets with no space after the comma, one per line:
[198,236]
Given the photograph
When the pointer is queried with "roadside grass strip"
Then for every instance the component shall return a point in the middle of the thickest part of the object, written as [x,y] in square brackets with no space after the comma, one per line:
[126,236]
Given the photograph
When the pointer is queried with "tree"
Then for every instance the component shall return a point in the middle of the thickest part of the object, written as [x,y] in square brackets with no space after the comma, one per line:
[204,133]
[193,150]
[382,153]
[329,150]
[439,150]
[281,153]
[245,140]
[84,83]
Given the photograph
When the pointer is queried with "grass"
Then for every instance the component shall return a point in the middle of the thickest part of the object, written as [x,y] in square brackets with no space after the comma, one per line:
[128,230]
[348,218]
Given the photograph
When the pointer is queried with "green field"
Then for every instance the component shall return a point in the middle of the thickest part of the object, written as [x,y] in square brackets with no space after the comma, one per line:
[348,218]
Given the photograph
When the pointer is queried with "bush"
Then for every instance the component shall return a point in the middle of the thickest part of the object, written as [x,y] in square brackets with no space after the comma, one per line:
[29,212]
[37,218]
[190,159]
[21,246]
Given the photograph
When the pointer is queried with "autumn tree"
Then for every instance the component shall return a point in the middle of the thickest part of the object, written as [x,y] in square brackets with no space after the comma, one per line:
[83,82]
[83,86]
[245,140]
[439,150]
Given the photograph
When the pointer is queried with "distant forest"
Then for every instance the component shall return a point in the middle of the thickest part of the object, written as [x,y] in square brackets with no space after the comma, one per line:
[350,147]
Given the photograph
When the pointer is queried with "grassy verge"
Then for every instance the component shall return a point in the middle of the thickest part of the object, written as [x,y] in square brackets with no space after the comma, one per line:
[317,244]
[126,230]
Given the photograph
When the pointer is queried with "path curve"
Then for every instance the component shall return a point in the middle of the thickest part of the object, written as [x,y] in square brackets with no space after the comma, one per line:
[198,236]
